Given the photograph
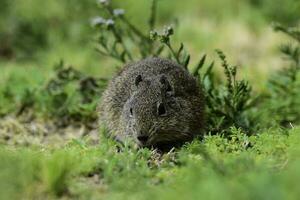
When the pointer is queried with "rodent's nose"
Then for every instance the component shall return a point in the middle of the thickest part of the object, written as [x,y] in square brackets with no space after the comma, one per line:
[143,138]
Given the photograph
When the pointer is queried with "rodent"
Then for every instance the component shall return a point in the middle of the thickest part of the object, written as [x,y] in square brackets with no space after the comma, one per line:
[153,102]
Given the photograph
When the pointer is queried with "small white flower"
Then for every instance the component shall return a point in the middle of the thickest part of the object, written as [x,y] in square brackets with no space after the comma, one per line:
[168,31]
[97,21]
[104,2]
[119,12]
[110,22]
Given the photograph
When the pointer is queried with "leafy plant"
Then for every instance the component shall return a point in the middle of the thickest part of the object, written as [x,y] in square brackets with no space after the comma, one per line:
[283,98]
[226,103]
[117,33]
[70,96]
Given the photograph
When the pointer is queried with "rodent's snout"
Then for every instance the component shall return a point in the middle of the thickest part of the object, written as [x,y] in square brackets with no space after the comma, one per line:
[142,138]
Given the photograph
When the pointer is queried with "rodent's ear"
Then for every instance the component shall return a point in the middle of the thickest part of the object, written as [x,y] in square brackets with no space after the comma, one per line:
[138,79]
[164,81]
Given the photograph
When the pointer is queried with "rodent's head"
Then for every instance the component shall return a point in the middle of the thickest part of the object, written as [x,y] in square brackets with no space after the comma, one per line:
[152,115]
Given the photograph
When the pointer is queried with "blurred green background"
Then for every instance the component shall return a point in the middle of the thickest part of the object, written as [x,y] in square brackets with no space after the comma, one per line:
[39,33]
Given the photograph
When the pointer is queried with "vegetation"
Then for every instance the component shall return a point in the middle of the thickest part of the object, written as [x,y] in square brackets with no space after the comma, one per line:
[50,146]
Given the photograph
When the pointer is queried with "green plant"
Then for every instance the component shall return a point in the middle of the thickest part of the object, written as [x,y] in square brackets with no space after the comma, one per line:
[226,103]
[70,96]
[283,98]
[117,33]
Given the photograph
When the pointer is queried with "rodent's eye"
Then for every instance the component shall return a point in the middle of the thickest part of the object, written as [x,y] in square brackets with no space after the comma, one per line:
[130,112]
[165,82]
[161,109]
[138,79]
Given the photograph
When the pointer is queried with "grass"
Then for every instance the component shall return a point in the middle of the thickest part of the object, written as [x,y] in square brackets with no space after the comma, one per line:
[242,168]
[50,147]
